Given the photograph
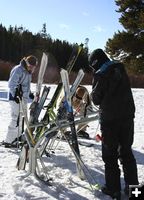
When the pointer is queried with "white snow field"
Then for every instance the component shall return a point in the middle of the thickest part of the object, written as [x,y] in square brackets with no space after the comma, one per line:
[61,165]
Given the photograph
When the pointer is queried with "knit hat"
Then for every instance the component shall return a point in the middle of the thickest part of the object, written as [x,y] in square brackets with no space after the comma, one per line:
[31,60]
[97,58]
[80,92]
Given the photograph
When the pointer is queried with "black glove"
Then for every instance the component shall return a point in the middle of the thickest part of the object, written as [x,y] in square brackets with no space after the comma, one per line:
[16,99]
[31,95]
[18,94]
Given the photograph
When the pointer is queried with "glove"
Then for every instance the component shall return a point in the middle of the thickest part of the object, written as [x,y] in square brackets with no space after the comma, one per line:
[31,95]
[18,93]
[16,99]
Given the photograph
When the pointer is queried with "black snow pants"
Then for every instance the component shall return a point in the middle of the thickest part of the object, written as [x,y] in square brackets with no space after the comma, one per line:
[116,146]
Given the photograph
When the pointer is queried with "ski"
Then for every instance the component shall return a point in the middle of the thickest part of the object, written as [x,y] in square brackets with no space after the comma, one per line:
[61,110]
[43,65]
[34,106]
[30,142]
[72,60]
[73,137]
[83,171]
[77,81]
[21,163]
[82,142]
[86,144]
[90,141]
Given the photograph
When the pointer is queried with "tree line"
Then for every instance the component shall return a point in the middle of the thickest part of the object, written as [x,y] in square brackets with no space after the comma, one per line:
[17,42]
[126,46]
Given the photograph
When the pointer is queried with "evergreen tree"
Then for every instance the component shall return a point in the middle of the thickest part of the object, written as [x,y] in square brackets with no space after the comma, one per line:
[128,45]
[44,31]
[17,42]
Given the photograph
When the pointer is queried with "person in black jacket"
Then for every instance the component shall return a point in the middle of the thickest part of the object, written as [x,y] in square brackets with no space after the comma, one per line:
[112,92]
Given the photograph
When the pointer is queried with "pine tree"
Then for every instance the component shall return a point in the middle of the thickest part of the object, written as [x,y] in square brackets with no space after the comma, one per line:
[18,42]
[128,45]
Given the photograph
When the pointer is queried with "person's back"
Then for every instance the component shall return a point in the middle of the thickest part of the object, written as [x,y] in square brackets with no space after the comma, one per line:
[114,93]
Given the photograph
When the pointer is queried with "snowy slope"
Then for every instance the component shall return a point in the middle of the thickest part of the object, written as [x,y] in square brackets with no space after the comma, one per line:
[61,165]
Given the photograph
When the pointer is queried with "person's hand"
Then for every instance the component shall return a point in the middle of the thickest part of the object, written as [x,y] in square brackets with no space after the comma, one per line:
[16,99]
[18,94]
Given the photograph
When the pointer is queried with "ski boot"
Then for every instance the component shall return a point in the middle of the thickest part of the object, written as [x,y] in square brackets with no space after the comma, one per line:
[83,134]
[113,194]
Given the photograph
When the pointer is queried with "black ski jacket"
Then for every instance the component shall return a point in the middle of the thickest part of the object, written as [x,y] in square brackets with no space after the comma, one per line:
[112,92]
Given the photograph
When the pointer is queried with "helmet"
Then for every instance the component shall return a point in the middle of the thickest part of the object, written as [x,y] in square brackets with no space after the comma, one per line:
[97,58]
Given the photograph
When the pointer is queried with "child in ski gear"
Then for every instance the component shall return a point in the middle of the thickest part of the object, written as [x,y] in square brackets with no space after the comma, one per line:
[81,102]
[111,91]
[19,87]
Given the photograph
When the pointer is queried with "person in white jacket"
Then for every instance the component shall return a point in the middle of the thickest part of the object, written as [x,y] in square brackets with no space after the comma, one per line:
[19,87]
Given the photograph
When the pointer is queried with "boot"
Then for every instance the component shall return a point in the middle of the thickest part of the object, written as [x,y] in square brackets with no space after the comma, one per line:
[126,189]
[114,194]
[83,134]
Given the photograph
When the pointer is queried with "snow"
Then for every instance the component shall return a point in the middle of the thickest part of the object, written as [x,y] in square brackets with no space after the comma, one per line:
[61,165]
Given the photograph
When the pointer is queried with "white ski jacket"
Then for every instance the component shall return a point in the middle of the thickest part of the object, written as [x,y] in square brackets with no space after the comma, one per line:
[19,75]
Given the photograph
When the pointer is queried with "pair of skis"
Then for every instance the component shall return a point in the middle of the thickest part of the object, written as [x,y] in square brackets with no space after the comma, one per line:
[36,106]
[70,116]
[82,169]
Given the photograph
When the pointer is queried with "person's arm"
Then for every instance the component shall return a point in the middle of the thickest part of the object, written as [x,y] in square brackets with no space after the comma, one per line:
[98,90]
[14,80]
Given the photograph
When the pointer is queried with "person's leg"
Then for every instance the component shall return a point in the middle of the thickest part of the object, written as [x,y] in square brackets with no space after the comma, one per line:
[15,127]
[82,126]
[112,171]
[81,129]
[126,155]
[110,157]
[12,131]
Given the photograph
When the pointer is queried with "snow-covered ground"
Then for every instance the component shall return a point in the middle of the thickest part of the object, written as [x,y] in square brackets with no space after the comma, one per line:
[61,164]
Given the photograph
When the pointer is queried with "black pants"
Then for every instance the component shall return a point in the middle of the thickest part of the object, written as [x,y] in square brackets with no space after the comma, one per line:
[117,141]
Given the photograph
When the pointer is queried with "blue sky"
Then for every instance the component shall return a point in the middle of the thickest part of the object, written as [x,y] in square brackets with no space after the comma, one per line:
[70,20]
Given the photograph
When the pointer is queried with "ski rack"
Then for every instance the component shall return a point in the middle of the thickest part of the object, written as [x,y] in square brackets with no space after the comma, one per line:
[36,149]
[50,114]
